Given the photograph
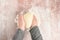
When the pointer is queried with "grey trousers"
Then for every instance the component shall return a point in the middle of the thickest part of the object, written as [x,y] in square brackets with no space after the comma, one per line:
[35,34]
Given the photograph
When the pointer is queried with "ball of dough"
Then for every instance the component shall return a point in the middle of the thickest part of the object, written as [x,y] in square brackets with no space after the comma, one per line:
[28,17]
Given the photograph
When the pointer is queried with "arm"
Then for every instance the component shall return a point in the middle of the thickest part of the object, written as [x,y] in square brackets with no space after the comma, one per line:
[21,28]
[19,35]
[35,33]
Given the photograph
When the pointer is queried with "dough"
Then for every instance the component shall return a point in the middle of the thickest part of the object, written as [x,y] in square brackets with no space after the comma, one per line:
[28,17]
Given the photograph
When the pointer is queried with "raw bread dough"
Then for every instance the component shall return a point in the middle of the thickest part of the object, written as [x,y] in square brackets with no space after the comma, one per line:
[28,17]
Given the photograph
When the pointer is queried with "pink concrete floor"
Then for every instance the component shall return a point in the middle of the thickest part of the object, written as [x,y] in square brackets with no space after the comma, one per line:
[49,18]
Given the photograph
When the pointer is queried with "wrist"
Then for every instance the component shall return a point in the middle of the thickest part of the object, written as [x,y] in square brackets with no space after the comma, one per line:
[33,26]
[21,28]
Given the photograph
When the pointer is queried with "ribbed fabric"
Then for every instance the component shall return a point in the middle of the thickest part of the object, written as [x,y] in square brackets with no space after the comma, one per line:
[19,35]
[35,33]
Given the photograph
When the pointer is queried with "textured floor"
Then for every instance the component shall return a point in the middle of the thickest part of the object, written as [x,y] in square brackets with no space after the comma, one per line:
[49,14]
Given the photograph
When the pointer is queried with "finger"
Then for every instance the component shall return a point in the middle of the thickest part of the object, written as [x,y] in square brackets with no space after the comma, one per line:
[34,19]
[20,20]
[34,22]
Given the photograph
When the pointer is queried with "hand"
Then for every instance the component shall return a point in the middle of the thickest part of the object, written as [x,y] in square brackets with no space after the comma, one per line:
[34,22]
[21,22]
